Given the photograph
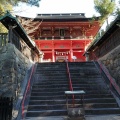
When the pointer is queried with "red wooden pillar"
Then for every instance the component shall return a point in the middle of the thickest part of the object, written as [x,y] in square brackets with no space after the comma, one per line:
[71,52]
[53,51]
[71,55]
[53,55]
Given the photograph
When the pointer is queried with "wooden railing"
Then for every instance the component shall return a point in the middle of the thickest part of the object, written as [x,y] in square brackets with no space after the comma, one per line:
[6,105]
[3,39]
[15,39]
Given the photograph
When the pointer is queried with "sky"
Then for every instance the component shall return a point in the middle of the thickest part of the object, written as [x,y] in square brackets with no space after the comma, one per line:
[58,6]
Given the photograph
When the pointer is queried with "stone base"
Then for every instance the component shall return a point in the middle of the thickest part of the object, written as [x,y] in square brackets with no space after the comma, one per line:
[76,113]
[79,118]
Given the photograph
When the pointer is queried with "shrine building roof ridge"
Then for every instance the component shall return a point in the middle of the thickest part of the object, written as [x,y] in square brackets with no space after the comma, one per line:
[61,14]
[62,17]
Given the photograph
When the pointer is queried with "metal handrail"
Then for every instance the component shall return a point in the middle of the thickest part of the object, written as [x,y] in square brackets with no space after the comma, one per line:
[70,81]
[27,91]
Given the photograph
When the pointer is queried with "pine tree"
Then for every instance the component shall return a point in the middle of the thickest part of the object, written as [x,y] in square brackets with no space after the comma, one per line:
[6,5]
[104,8]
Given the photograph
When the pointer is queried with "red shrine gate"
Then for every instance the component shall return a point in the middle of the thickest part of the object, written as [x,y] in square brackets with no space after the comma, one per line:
[62,36]
[60,50]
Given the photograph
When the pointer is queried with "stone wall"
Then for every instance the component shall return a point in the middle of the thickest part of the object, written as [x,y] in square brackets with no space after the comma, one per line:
[13,67]
[28,52]
[112,62]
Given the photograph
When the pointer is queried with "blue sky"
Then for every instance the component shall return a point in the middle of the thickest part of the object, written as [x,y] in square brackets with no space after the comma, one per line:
[58,6]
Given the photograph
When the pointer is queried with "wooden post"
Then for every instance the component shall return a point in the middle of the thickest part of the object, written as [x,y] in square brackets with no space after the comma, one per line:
[10,34]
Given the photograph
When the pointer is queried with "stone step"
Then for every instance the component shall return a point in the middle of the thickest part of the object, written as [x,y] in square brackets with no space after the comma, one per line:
[46,113]
[46,107]
[81,63]
[100,105]
[61,81]
[86,76]
[55,73]
[51,90]
[90,88]
[54,92]
[55,64]
[102,111]
[52,64]
[39,82]
[50,69]
[63,106]
[86,82]
[51,82]
[44,97]
[100,100]
[74,81]
[64,85]
[84,73]
[74,88]
[47,93]
[79,69]
[50,86]
[53,77]
[77,101]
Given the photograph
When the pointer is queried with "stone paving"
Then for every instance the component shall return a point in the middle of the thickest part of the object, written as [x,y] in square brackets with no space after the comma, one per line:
[48,118]
[108,117]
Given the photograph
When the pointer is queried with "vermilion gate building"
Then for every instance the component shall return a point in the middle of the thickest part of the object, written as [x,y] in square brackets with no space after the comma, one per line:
[63,36]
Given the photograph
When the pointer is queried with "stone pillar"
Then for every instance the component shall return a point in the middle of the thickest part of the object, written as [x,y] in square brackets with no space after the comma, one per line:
[87,56]
[41,57]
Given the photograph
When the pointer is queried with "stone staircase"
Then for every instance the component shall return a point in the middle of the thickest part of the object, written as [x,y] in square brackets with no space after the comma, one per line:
[48,98]
[98,99]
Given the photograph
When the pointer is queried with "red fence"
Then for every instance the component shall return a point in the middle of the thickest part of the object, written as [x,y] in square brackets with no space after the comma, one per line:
[27,91]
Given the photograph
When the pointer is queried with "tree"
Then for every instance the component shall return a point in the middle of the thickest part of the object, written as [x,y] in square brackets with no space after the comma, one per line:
[6,5]
[104,8]
[117,11]
[3,8]
[14,2]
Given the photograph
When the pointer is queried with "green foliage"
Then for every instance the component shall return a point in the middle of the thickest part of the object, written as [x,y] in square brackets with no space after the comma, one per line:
[14,2]
[104,8]
[100,33]
[117,12]
[3,8]
[6,5]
